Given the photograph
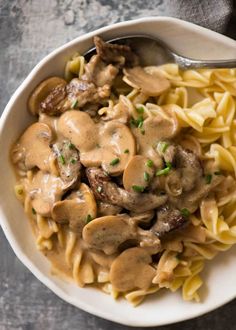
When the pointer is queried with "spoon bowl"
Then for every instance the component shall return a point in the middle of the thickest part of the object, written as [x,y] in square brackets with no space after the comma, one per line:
[153,51]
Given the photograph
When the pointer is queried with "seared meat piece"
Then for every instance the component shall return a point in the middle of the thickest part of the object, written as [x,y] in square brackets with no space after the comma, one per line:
[80,91]
[54,103]
[99,73]
[120,55]
[107,209]
[68,160]
[186,164]
[108,191]
[191,199]
[168,219]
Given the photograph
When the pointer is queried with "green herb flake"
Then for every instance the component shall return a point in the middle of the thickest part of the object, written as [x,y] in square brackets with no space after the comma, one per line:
[74,104]
[33,211]
[185,212]
[88,218]
[142,131]
[217,173]
[73,161]
[114,161]
[162,146]
[71,146]
[146,176]
[165,170]
[99,189]
[208,178]
[140,110]
[62,159]
[149,163]
[138,188]
[126,151]
[20,191]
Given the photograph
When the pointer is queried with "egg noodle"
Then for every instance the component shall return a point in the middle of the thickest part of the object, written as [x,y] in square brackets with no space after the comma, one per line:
[204,104]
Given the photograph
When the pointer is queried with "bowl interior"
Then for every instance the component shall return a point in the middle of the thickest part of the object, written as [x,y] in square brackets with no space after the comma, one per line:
[162,308]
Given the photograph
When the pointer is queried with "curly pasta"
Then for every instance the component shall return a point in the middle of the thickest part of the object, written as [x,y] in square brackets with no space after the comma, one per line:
[205,107]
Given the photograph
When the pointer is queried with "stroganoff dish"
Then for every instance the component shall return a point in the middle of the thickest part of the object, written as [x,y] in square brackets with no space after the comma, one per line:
[128,173]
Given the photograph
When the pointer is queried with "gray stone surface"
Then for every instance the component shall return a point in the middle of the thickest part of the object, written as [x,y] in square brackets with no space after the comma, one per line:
[28,31]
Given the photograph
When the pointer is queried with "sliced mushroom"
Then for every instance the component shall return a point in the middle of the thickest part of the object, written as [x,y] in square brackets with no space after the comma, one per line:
[162,126]
[108,233]
[78,209]
[67,160]
[79,128]
[44,190]
[99,145]
[109,192]
[148,84]
[50,85]
[33,148]
[132,270]
[137,173]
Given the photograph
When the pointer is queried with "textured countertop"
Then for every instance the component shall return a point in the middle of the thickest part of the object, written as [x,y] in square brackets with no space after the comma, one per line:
[28,31]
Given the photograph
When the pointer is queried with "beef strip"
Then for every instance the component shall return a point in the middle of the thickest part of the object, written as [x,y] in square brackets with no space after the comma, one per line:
[121,55]
[168,219]
[107,191]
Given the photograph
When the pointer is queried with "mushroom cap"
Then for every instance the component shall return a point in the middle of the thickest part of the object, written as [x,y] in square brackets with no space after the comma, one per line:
[137,173]
[149,84]
[76,209]
[44,190]
[108,233]
[42,91]
[99,144]
[131,270]
[79,128]
[34,147]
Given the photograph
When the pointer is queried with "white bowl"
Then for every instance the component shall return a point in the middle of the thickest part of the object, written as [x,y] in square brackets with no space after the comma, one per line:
[163,307]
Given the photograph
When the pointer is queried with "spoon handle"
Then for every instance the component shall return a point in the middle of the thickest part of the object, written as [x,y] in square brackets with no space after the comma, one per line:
[187,63]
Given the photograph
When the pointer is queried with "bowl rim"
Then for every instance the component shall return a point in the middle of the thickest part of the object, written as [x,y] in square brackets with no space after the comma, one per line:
[4,222]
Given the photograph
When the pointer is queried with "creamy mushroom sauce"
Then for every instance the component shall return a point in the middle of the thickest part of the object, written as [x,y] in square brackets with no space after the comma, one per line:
[111,181]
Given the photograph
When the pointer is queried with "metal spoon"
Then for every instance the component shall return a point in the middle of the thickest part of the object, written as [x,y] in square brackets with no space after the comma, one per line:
[153,51]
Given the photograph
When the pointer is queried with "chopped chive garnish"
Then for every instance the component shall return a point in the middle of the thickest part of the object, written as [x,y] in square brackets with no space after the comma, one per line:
[126,151]
[140,125]
[99,189]
[73,161]
[71,146]
[185,212]
[114,161]
[208,178]
[165,170]
[138,188]
[142,131]
[33,211]
[217,173]
[140,110]
[62,159]
[74,104]
[162,146]
[137,122]
[146,176]
[88,218]
[149,163]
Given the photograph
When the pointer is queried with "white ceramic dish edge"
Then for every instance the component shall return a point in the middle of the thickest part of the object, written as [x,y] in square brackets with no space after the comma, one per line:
[4,223]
